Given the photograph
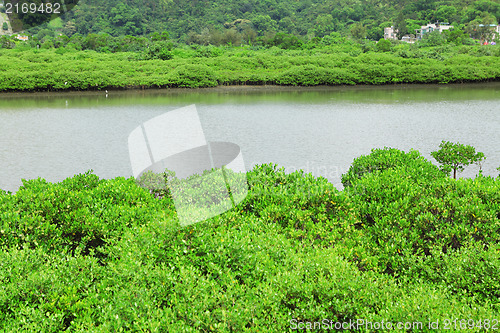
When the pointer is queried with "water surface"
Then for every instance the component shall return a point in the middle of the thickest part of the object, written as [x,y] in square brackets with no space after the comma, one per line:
[320,130]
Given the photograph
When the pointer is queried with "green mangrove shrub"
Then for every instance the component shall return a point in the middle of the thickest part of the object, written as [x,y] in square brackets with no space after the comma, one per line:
[387,158]
[68,69]
[402,242]
[80,212]
[456,156]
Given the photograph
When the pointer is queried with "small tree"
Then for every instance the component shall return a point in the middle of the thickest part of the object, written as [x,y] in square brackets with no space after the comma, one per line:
[400,26]
[456,156]
[383,45]
[433,38]
[358,30]
[160,50]
[156,37]
[5,26]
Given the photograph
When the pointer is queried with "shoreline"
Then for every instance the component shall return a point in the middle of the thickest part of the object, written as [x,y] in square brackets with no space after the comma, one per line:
[235,88]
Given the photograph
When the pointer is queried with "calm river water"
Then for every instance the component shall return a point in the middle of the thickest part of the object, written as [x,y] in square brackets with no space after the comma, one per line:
[320,130]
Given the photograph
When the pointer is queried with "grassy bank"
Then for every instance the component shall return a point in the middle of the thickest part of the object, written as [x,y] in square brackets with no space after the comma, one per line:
[67,69]
[402,243]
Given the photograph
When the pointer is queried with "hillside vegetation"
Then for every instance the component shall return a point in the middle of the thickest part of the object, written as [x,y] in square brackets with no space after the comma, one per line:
[202,20]
[303,17]
[402,243]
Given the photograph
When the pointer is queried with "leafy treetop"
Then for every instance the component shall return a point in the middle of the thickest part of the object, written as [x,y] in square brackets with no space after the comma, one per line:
[456,156]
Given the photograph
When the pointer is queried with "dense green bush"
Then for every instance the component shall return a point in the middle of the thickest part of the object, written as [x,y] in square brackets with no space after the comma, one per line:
[390,158]
[160,50]
[68,69]
[81,212]
[193,76]
[403,242]
[383,45]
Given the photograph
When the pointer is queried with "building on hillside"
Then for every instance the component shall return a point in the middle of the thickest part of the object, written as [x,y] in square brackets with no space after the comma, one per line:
[485,33]
[430,28]
[495,29]
[23,38]
[390,33]
[409,39]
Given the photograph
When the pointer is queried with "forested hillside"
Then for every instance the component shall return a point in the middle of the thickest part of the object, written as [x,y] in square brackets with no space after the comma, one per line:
[206,21]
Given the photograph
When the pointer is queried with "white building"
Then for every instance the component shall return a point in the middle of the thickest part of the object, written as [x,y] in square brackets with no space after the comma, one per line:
[409,39]
[22,37]
[495,29]
[390,33]
[430,28]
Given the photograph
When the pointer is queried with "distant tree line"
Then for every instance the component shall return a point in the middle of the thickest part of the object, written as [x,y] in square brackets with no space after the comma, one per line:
[233,22]
[160,45]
